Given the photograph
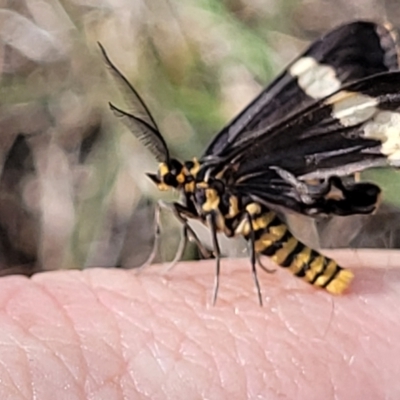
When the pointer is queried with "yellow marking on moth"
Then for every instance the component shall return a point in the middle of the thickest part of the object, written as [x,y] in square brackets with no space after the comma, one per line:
[259,223]
[220,222]
[180,178]
[163,169]
[302,258]
[330,270]
[352,108]
[212,200]
[253,209]
[315,267]
[196,167]
[287,248]
[341,282]
[163,187]
[278,231]
[317,80]
[189,187]
[233,207]
[262,221]
[202,185]
[267,239]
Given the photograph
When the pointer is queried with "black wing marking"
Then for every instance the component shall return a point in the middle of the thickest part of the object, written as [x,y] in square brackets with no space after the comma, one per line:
[137,117]
[346,54]
[293,163]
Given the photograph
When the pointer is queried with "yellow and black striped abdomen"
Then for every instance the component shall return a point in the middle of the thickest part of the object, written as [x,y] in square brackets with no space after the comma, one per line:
[273,239]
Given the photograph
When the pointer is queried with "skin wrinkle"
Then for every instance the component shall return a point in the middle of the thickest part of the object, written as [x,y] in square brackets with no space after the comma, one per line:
[153,340]
[131,377]
[317,326]
[327,385]
[227,347]
[295,342]
[208,361]
[14,385]
[120,350]
[215,353]
[131,381]
[6,367]
[212,355]
[31,381]
[57,355]
[103,381]
[25,349]
[221,359]
[247,341]
[71,323]
[345,372]
[155,350]
[66,316]
[81,345]
[337,375]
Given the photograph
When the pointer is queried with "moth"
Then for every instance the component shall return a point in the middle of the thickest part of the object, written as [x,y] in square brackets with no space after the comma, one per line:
[298,146]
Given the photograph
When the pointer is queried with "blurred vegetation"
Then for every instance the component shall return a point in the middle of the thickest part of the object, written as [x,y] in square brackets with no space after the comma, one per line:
[73,190]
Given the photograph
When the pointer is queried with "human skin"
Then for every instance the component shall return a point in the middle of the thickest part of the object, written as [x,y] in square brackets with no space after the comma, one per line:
[116,334]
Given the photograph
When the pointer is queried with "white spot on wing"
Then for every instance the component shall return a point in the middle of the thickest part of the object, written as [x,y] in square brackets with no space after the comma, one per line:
[317,80]
[385,126]
[352,108]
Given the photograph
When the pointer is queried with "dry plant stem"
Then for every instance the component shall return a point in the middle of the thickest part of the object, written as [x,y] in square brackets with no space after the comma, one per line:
[113,334]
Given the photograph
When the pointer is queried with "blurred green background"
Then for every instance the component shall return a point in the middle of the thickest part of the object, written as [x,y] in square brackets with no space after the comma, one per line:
[73,193]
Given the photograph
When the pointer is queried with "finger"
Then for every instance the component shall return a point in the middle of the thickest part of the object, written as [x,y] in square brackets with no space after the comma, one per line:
[112,334]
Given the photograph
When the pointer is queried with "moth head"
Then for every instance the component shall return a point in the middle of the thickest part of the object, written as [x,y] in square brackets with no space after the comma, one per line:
[170,174]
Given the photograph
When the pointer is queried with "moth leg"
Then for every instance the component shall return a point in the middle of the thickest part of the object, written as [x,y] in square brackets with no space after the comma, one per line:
[253,257]
[181,248]
[182,214]
[178,211]
[217,253]
[262,266]
[188,234]
[157,236]
[306,193]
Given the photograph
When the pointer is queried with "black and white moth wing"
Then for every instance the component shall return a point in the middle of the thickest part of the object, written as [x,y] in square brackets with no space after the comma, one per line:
[348,53]
[137,117]
[354,129]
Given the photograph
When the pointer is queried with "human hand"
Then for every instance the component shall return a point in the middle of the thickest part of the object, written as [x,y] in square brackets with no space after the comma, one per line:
[115,334]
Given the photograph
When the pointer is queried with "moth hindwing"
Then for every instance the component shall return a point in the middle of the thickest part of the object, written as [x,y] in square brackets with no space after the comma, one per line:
[333,112]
